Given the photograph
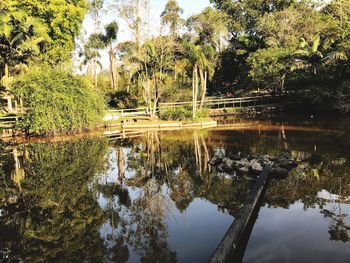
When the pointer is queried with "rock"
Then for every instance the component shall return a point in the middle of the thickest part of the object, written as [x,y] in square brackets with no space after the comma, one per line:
[234,157]
[12,199]
[285,155]
[243,170]
[243,163]
[228,164]
[251,157]
[220,168]
[286,164]
[255,166]
[226,175]
[279,173]
[215,161]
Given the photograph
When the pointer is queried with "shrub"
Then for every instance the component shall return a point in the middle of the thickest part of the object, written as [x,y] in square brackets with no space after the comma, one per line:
[122,100]
[182,113]
[177,114]
[202,113]
[57,102]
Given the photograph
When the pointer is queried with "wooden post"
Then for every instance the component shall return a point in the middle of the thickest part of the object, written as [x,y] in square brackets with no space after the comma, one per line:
[234,234]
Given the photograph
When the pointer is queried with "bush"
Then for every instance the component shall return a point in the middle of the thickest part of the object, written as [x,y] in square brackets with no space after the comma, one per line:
[57,102]
[202,113]
[177,114]
[122,100]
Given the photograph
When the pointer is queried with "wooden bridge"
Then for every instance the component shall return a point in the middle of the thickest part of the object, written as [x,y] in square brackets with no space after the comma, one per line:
[209,103]
[223,103]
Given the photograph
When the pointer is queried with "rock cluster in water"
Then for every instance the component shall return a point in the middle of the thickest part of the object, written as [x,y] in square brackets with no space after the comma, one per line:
[236,165]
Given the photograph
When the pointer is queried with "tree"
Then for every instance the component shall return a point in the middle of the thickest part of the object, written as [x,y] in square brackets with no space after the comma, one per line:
[200,58]
[130,11]
[63,20]
[155,63]
[91,59]
[22,37]
[94,10]
[269,67]
[172,16]
[106,40]
[211,27]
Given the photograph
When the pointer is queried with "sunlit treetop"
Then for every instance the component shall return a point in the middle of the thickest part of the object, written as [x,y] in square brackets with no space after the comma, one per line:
[62,17]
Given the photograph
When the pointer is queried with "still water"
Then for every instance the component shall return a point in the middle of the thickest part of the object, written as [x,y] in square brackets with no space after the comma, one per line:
[155,198]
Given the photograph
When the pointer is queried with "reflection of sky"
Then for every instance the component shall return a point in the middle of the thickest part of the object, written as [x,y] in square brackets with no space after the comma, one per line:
[279,235]
[193,234]
[296,235]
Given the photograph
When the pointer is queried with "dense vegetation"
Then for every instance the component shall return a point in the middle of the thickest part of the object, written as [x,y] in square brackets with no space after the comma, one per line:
[283,46]
[57,102]
[286,45]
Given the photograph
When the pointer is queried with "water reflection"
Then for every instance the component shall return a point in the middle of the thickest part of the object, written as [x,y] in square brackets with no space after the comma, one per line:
[156,199]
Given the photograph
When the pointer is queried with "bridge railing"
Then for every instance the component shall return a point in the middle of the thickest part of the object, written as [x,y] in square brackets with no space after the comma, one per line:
[224,102]
[128,112]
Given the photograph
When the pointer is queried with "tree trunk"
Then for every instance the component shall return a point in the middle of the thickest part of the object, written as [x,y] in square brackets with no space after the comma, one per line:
[7,72]
[9,103]
[282,83]
[121,164]
[204,86]
[196,90]
[194,99]
[95,72]
[137,25]
[111,68]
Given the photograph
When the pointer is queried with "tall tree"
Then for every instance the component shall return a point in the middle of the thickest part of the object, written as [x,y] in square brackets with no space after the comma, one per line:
[200,59]
[211,27]
[95,12]
[107,40]
[171,16]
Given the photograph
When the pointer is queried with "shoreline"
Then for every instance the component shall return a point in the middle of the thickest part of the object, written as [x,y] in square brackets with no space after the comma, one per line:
[124,131]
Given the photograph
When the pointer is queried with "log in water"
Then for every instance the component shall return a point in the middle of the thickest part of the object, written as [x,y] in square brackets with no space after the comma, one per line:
[233,236]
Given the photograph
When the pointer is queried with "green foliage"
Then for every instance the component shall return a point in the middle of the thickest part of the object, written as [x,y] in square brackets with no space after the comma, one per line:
[172,16]
[63,19]
[202,113]
[287,45]
[268,66]
[57,102]
[182,114]
[122,100]
[211,26]
[176,114]
[22,36]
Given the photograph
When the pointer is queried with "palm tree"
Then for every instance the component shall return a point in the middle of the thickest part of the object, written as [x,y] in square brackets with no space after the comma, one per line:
[108,39]
[92,61]
[309,56]
[99,41]
[200,58]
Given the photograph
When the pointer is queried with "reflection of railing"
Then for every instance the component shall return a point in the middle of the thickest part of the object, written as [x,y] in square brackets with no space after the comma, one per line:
[132,130]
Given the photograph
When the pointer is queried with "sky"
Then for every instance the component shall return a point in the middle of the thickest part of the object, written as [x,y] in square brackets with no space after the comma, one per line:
[190,7]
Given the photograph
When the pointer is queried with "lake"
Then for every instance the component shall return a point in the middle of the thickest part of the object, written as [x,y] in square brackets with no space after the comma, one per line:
[155,198]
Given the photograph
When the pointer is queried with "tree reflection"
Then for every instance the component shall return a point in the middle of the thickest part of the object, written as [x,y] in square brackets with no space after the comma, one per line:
[66,202]
[50,213]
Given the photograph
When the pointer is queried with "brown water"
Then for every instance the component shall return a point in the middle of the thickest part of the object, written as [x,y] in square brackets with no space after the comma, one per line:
[156,199]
